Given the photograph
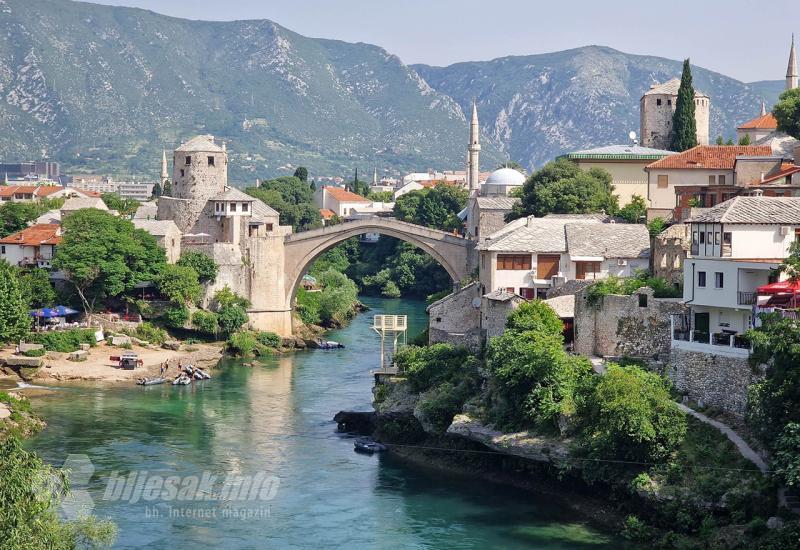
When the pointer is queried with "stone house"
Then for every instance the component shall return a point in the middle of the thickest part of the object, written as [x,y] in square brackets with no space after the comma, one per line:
[670,248]
[33,246]
[166,233]
[486,214]
[496,306]
[456,318]
[531,255]
[339,200]
[636,326]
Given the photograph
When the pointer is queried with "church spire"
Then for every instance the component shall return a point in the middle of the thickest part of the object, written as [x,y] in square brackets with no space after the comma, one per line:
[474,149]
[791,70]
[164,173]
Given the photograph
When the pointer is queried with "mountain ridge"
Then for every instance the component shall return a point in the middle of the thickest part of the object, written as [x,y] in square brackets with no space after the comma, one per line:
[104,88]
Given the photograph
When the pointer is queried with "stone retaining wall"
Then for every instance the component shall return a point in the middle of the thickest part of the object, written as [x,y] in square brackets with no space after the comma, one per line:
[713,380]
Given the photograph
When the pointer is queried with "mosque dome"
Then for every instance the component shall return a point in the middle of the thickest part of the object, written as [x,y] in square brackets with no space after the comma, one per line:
[505,177]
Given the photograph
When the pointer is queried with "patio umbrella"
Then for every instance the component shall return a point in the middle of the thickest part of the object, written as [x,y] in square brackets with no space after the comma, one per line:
[48,312]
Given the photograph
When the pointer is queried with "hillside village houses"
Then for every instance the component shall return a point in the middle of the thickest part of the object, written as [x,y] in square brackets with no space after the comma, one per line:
[32,247]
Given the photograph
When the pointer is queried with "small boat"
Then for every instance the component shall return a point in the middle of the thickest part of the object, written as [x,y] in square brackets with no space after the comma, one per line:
[329,344]
[368,446]
[151,381]
[200,374]
[182,380]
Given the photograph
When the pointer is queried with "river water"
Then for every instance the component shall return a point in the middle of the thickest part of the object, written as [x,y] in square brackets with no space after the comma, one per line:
[271,424]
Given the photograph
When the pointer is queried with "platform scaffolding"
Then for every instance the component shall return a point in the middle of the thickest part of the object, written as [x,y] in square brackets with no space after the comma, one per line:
[391,327]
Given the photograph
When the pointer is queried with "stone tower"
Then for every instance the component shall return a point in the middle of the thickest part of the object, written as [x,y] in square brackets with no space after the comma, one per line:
[657,107]
[199,173]
[474,151]
[791,70]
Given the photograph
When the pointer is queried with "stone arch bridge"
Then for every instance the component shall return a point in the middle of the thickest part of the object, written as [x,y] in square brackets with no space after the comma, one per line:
[272,306]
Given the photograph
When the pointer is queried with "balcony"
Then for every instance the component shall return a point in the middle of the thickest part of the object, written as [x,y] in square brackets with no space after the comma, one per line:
[746,298]
[728,343]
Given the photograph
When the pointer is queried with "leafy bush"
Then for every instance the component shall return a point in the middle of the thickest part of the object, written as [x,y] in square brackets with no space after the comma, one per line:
[269,339]
[537,316]
[242,343]
[628,414]
[34,353]
[390,290]
[635,529]
[421,339]
[445,401]
[202,263]
[63,341]
[151,333]
[205,321]
[231,318]
[308,307]
[175,316]
[786,460]
[426,367]
[628,285]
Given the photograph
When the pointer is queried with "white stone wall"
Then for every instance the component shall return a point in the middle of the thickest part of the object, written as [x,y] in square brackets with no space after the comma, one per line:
[656,120]
[455,319]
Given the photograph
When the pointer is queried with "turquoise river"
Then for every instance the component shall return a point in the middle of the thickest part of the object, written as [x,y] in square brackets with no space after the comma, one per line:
[270,426]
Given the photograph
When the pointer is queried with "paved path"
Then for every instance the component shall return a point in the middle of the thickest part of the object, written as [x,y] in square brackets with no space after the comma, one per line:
[745,449]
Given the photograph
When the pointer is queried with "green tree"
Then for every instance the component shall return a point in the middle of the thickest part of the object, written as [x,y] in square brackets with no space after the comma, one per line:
[436,207]
[301,173]
[36,288]
[176,315]
[720,141]
[380,196]
[635,211]
[292,198]
[103,256]
[786,459]
[744,140]
[656,226]
[157,191]
[126,207]
[561,187]
[628,414]
[205,321]
[167,191]
[15,320]
[729,143]
[536,316]
[30,492]
[179,284]
[787,112]
[202,263]
[15,216]
[231,310]
[684,125]
[791,264]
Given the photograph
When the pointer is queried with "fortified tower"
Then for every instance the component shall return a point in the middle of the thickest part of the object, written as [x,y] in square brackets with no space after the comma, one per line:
[657,107]
[199,173]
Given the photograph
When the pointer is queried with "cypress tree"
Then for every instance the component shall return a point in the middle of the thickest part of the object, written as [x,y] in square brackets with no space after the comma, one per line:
[684,127]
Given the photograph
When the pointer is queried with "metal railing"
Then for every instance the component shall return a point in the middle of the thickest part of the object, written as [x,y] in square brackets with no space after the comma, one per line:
[746,298]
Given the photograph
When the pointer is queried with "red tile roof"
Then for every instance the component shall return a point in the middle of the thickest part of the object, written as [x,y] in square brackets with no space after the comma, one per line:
[763,122]
[343,195]
[714,157]
[35,235]
[36,190]
[786,170]
[326,213]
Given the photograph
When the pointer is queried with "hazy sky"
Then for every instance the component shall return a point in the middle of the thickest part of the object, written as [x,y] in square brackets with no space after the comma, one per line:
[748,40]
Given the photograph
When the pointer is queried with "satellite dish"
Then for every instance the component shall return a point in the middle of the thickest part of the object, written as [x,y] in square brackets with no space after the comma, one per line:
[476,303]
[632,135]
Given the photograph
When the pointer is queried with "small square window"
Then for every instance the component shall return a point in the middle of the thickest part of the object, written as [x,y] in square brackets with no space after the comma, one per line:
[269,227]
[712,180]
[719,279]
[182,173]
[188,160]
[716,238]
[726,238]
[658,102]
[233,207]
[669,102]
[244,207]
[642,300]
[2,249]
[721,179]
[701,278]
[211,161]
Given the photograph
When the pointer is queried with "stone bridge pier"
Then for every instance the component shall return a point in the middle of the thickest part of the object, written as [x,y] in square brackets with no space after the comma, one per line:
[287,260]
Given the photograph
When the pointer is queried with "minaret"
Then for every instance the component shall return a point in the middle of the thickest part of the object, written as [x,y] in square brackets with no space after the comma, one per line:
[791,70]
[375,177]
[763,108]
[164,171]
[474,149]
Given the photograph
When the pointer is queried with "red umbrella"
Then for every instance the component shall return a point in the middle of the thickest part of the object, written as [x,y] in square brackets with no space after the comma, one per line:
[788,288]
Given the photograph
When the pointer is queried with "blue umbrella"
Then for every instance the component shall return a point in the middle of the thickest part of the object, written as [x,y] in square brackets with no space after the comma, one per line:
[58,311]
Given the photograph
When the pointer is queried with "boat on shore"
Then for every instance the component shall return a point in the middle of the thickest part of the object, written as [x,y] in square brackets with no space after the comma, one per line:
[150,381]
[329,344]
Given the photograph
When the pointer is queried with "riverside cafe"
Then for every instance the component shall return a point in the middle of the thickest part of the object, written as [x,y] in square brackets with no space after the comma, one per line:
[781,297]
[53,318]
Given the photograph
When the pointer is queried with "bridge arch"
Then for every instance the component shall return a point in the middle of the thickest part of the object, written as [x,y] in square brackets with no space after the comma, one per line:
[301,249]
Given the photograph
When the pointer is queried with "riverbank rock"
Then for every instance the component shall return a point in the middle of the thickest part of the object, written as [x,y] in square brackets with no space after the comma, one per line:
[173,345]
[355,422]
[523,444]
[79,355]
[29,347]
[120,340]
[395,398]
